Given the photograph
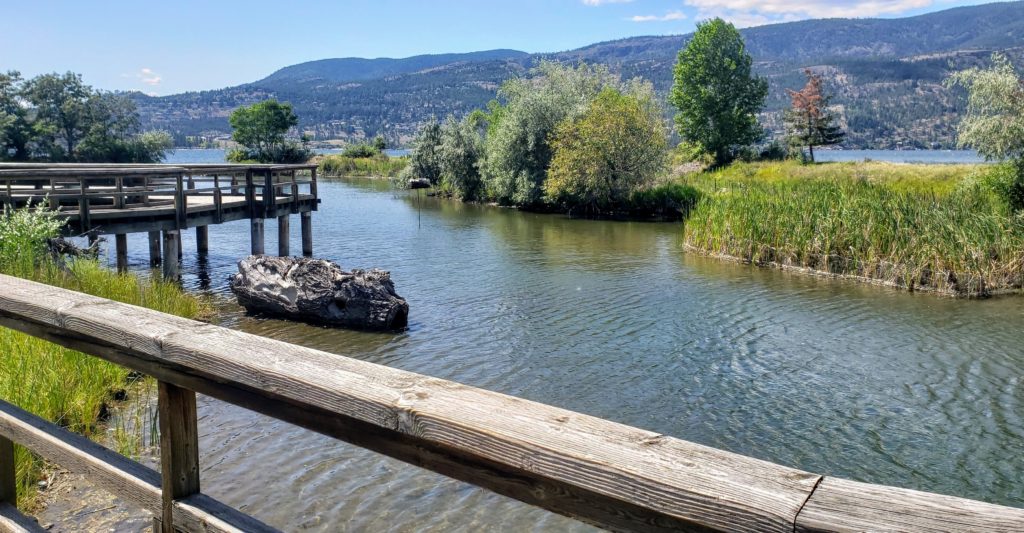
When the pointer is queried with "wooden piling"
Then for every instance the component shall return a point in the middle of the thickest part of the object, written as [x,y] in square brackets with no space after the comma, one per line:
[203,239]
[121,248]
[256,236]
[283,233]
[179,449]
[306,221]
[154,248]
[172,261]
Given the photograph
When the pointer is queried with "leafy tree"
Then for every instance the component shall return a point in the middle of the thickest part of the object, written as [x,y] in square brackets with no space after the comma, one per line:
[62,108]
[425,159]
[15,126]
[360,150]
[809,121]
[518,152]
[716,93]
[261,128]
[379,143]
[614,149]
[994,122]
[460,153]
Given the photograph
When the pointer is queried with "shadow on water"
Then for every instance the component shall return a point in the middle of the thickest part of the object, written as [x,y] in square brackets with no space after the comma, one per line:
[612,319]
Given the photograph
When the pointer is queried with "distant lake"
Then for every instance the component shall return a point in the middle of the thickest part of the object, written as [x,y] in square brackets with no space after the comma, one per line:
[938,157]
[931,157]
[194,156]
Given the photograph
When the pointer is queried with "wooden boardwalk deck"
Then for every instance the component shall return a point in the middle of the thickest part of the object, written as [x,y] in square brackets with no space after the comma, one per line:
[163,200]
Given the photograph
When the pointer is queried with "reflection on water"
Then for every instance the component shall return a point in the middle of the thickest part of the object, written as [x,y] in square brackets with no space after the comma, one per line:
[612,319]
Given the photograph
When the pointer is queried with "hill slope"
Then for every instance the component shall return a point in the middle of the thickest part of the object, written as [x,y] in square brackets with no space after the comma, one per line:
[887,75]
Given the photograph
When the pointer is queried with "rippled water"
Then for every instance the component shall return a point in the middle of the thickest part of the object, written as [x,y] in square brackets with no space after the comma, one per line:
[612,319]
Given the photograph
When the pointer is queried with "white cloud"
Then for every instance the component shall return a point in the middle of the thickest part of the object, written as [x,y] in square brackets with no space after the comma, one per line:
[146,76]
[780,10]
[671,15]
[745,13]
[604,2]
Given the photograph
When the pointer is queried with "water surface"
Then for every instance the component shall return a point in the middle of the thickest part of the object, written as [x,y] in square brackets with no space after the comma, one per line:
[613,320]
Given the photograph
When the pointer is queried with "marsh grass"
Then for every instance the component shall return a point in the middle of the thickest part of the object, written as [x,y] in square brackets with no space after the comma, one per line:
[377,166]
[66,387]
[919,227]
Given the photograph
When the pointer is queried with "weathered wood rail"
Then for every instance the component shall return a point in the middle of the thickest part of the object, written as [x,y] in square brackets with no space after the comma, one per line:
[604,473]
[164,200]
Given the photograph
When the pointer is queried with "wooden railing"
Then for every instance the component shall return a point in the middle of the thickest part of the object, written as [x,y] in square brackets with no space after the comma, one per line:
[604,473]
[81,189]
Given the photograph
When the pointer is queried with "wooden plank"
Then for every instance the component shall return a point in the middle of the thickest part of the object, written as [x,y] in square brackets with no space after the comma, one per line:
[844,505]
[8,475]
[595,470]
[117,474]
[179,448]
[12,521]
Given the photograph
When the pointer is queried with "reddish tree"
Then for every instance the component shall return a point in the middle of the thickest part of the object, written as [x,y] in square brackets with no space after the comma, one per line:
[809,121]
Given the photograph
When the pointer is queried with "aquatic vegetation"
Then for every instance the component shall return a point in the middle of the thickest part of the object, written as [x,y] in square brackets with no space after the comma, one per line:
[909,226]
[377,166]
[62,385]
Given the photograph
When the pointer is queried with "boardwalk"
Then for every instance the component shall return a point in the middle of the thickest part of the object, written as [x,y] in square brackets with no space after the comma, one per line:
[164,200]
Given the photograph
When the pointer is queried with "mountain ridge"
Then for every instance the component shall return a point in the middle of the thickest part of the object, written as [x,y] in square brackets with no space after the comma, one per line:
[887,75]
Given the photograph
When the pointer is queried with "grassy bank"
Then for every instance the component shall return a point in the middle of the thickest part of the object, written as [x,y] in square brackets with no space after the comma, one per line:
[918,227]
[377,166]
[58,384]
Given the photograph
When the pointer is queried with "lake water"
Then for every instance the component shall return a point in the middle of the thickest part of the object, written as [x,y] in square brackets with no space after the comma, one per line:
[614,320]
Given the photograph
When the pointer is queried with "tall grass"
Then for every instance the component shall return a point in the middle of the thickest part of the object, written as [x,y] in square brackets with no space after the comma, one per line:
[377,166]
[910,226]
[61,385]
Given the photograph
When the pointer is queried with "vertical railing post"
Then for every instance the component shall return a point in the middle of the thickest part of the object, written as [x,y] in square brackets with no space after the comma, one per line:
[312,187]
[269,195]
[8,481]
[83,206]
[180,205]
[179,449]
[295,194]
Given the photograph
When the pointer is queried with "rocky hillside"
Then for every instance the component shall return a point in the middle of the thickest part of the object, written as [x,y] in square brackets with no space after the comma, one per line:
[887,75]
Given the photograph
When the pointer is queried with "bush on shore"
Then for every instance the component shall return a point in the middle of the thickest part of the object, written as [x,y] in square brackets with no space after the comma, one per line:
[61,385]
[910,226]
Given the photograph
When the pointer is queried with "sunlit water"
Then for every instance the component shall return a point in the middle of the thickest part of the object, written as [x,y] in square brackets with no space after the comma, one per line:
[613,320]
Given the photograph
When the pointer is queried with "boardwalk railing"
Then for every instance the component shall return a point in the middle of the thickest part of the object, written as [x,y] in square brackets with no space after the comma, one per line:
[604,473]
[122,199]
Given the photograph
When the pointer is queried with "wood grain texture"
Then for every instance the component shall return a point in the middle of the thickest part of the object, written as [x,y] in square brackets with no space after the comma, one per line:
[844,505]
[12,521]
[179,447]
[8,477]
[595,470]
[117,474]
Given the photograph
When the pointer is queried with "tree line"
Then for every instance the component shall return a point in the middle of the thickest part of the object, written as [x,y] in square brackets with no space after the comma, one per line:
[58,118]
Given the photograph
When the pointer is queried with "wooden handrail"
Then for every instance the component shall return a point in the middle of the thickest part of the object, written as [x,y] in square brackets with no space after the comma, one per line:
[601,472]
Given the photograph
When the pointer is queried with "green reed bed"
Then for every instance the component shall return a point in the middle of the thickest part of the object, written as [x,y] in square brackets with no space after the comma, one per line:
[61,385]
[376,166]
[911,226]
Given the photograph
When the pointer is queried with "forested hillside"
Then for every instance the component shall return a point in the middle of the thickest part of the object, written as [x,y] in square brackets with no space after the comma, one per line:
[887,75]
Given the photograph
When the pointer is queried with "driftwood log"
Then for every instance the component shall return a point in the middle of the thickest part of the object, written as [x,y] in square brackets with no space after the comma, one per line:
[320,292]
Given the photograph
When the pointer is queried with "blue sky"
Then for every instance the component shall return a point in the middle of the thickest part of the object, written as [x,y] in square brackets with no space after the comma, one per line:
[175,46]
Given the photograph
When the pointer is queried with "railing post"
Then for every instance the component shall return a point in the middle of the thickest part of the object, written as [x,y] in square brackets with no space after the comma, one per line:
[312,187]
[269,195]
[83,206]
[171,260]
[180,206]
[179,448]
[8,481]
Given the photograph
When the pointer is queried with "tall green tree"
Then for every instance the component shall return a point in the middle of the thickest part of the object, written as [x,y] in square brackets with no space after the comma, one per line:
[15,126]
[994,122]
[518,151]
[614,149]
[810,121]
[716,93]
[425,159]
[63,114]
[262,128]
[460,152]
